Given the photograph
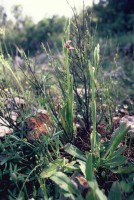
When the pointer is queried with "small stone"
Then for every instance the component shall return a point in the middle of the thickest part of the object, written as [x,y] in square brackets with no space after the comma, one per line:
[13,116]
[43,111]
[13,103]
[19,101]
[4,127]
[129,120]
[103,140]
[37,125]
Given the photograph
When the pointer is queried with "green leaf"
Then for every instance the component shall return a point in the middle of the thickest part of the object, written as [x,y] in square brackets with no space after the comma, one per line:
[69,167]
[100,194]
[74,151]
[89,168]
[66,113]
[96,55]
[96,192]
[120,129]
[119,151]
[65,195]
[126,187]
[91,70]
[126,170]
[116,138]
[91,196]
[64,183]
[114,162]
[82,166]
[98,140]
[115,192]
[51,168]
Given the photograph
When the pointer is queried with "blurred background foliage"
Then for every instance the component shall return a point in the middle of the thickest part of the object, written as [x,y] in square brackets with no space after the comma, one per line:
[114,17]
[109,17]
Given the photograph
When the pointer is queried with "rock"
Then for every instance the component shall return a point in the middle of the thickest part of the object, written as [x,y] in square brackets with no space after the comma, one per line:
[43,111]
[80,92]
[116,121]
[123,111]
[15,102]
[19,101]
[34,126]
[13,116]
[4,127]
[82,184]
[129,120]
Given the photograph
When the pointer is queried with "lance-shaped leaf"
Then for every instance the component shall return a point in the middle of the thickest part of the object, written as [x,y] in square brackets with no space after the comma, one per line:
[65,183]
[74,151]
[116,138]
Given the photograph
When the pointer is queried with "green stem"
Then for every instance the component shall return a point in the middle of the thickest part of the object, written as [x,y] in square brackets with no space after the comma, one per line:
[93,110]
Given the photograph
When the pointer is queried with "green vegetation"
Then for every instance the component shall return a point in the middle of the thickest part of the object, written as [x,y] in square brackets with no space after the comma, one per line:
[67,140]
[115,18]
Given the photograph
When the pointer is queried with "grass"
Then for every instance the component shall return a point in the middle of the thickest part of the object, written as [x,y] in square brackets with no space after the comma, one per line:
[70,161]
